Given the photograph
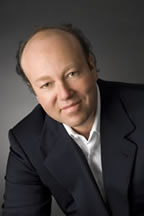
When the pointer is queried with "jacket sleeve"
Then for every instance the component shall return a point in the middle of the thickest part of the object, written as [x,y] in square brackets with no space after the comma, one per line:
[25,195]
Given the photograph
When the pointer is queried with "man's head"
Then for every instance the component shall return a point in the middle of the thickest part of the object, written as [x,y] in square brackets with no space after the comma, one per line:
[62,76]
[77,33]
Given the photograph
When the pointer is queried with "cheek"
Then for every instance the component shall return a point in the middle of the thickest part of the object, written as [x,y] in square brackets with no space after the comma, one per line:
[46,101]
[87,86]
[89,91]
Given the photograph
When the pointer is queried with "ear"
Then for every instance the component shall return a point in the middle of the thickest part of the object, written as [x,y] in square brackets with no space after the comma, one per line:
[92,65]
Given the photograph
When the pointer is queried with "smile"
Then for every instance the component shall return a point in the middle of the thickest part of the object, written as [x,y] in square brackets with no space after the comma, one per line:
[71,108]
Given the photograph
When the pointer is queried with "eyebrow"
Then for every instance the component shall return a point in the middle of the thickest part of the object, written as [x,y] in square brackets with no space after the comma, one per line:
[43,78]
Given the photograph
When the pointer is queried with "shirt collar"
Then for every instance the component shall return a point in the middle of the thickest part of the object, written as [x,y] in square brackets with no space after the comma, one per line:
[96,125]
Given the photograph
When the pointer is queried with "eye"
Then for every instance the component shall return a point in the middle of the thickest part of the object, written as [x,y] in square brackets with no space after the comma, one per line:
[73,74]
[46,85]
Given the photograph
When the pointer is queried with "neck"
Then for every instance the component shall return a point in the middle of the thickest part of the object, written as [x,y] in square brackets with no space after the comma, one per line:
[85,129]
[83,133]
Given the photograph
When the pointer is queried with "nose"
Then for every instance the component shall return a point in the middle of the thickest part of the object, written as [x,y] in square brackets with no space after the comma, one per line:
[64,91]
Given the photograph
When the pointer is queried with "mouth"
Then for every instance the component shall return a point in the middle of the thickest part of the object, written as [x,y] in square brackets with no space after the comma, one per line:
[71,108]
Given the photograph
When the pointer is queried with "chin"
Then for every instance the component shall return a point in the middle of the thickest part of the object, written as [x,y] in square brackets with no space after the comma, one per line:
[75,123]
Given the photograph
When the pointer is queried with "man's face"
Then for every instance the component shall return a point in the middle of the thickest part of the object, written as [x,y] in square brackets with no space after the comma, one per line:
[64,84]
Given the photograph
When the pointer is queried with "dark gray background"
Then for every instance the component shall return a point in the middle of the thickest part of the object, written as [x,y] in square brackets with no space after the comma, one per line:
[115,28]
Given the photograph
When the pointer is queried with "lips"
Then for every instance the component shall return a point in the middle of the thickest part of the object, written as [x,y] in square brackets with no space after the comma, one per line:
[71,107]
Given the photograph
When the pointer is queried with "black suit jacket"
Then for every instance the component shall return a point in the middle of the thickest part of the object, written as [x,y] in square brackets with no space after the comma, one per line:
[45,161]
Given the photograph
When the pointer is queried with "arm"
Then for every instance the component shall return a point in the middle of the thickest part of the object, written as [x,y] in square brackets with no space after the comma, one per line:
[25,195]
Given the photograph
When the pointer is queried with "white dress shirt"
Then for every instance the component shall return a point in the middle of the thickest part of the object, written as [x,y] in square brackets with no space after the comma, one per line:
[91,147]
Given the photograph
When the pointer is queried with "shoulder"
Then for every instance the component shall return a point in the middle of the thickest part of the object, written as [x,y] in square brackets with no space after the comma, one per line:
[32,123]
[130,95]
[126,90]
[121,85]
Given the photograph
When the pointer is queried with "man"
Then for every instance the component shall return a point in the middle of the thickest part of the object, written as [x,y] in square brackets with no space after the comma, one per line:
[83,143]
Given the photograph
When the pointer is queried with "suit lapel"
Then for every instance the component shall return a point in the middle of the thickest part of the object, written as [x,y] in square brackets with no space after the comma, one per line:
[118,151]
[67,164]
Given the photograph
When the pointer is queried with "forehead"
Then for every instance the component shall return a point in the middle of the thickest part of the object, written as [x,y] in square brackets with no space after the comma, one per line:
[51,50]
[51,40]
